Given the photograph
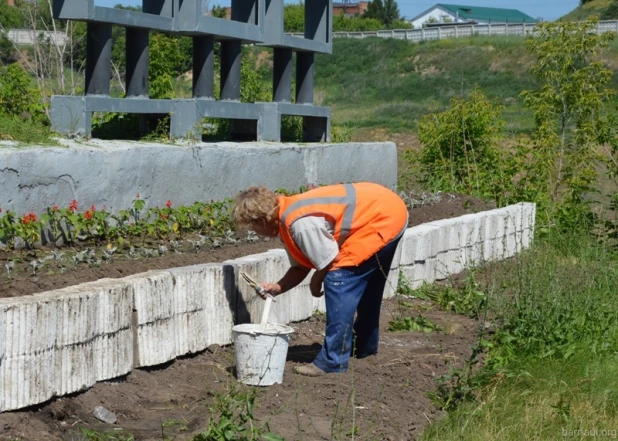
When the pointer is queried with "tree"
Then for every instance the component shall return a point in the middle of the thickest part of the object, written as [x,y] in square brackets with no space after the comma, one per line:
[341,23]
[572,123]
[387,12]
[459,151]
[10,17]
[294,17]
[218,11]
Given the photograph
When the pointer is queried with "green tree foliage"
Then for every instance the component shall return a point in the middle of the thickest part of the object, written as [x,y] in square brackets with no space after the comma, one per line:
[386,11]
[17,97]
[460,151]
[294,17]
[180,61]
[583,2]
[342,23]
[558,167]
[294,21]
[218,11]
[570,117]
[10,17]
[165,65]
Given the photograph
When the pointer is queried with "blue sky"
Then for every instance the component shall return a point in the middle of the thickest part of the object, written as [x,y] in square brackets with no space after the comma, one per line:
[546,9]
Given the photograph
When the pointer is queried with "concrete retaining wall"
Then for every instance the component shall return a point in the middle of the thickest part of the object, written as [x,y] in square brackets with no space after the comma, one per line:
[64,341]
[110,173]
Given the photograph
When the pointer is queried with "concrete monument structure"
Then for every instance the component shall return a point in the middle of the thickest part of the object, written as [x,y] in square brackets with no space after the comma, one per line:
[257,22]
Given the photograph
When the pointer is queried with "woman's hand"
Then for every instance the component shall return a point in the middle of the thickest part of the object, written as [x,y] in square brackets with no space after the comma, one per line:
[274,289]
[315,285]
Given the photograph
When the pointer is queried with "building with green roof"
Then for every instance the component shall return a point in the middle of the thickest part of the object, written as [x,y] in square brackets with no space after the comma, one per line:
[443,13]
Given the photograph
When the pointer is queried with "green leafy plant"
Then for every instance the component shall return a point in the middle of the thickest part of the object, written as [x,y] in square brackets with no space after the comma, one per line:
[93,435]
[460,385]
[571,121]
[419,323]
[17,97]
[28,227]
[7,228]
[467,299]
[459,151]
[234,420]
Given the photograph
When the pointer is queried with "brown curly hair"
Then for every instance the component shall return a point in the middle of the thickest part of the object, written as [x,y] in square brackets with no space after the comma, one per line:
[255,204]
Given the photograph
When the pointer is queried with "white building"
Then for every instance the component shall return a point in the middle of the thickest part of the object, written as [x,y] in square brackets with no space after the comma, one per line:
[443,13]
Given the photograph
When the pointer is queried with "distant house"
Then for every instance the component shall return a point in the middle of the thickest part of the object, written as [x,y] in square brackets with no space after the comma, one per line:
[442,13]
[350,9]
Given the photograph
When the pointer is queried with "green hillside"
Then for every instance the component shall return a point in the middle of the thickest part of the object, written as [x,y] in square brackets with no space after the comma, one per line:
[594,7]
[389,84]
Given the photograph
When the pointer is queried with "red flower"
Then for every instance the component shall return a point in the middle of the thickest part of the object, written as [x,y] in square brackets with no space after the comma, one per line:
[93,208]
[73,206]
[55,208]
[28,218]
[168,204]
[137,196]
[0,209]
[88,214]
[164,216]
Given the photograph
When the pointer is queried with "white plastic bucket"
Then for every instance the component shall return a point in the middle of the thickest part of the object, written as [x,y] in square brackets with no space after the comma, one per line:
[261,352]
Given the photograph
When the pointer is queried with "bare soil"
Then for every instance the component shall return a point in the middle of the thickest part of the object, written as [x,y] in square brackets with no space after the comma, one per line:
[383,397]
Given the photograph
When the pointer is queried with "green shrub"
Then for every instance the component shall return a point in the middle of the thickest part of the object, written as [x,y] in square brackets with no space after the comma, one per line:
[17,96]
[460,151]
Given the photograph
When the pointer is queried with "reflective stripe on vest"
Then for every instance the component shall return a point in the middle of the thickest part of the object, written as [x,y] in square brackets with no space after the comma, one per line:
[366,217]
[348,214]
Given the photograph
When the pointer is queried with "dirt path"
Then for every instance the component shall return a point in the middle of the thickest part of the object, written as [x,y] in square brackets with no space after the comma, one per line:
[383,397]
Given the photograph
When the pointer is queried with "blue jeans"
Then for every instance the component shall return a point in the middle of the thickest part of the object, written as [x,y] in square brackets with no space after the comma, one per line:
[348,290]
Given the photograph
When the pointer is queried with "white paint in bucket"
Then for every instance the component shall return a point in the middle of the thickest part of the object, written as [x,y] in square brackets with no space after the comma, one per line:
[261,352]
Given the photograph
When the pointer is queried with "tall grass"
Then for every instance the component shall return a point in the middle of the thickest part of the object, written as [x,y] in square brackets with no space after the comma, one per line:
[26,131]
[553,355]
[394,81]
[389,83]
[582,12]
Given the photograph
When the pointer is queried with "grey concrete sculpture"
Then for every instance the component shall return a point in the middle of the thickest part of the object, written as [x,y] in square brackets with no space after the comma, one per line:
[252,22]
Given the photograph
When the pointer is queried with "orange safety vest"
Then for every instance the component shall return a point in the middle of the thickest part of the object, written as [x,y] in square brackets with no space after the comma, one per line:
[366,216]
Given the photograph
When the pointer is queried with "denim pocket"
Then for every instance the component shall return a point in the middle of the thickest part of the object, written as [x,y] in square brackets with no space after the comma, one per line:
[338,276]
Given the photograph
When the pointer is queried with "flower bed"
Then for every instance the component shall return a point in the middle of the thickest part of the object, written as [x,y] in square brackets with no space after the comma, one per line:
[148,238]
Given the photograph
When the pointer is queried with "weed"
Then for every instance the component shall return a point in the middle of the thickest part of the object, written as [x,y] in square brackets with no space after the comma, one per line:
[467,299]
[93,435]
[414,324]
[460,385]
[235,419]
